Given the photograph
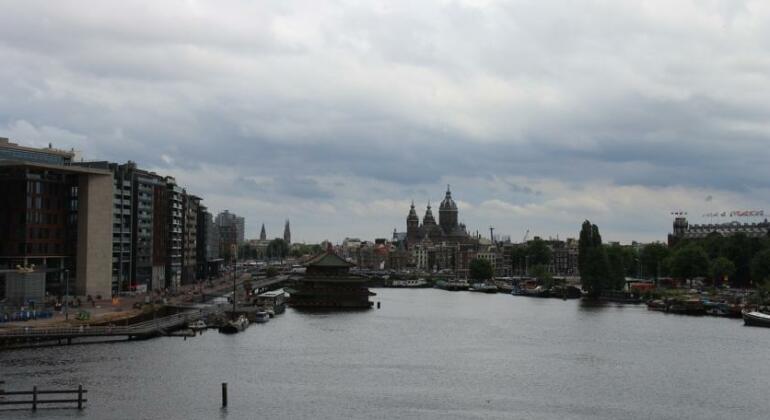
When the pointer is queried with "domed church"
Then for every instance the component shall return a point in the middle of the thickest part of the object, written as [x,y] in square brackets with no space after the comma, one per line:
[446,230]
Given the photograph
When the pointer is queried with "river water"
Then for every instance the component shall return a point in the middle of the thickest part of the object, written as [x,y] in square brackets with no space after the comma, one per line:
[426,354]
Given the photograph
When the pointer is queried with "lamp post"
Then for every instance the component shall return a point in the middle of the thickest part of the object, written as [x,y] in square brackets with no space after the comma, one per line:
[66,294]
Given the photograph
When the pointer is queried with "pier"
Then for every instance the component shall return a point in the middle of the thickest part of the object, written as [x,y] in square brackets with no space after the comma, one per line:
[151,328]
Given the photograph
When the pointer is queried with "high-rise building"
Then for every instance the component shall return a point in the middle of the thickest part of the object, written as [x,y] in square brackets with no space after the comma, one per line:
[57,217]
[191,206]
[175,233]
[231,233]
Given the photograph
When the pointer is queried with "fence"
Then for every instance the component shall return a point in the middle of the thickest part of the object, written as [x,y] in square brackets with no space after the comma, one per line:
[36,400]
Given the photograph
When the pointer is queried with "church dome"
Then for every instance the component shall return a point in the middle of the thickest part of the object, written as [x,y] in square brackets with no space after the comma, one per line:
[448,203]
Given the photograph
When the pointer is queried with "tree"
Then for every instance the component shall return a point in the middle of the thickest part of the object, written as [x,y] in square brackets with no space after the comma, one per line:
[652,257]
[616,267]
[689,261]
[760,267]
[738,248]
[538,252]
[480,269]
[271,271]
[721,269]
[518,259]
[592,260]
[540,272]
[277,249]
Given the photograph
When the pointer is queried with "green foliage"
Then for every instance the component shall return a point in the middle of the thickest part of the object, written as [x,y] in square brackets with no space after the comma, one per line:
[538,252]
[689,261]
[592,260]
[277,249]
[480,269]
[616,267]
[518,258]
[760,267]
[721,268]
[652,258]
[540,272]
[271,271]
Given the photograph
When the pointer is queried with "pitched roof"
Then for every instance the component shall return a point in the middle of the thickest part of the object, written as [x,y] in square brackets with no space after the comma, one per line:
[328,259]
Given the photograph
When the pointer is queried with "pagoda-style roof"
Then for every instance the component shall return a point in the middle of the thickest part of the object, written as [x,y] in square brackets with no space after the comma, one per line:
[329,259]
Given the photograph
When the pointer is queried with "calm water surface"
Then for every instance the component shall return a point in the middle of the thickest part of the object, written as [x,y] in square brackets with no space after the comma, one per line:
[427,354]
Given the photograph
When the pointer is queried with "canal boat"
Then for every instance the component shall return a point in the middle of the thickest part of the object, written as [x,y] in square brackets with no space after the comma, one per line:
[198,325]
[235,326]
[756,319]
[453,285]
[273,301]
[261,317]
[483,288]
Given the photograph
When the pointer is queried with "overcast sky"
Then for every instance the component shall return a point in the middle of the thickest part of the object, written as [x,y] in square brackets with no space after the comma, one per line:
[336,114]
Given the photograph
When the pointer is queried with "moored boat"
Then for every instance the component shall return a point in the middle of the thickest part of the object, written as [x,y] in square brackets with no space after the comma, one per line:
[260,317]
[198,325]
[235,326]
[756,319]
[483,288]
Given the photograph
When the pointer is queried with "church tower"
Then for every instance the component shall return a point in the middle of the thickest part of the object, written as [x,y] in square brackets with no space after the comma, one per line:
[263,234]
[412,225]
[287,233]
[447,213]
[428,220]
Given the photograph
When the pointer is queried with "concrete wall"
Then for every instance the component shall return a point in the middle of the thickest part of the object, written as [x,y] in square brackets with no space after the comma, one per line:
[94,255]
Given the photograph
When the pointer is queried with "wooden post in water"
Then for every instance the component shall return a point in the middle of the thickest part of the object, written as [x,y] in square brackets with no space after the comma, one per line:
[224,394]
[34,398]
[378,304]
[80,397]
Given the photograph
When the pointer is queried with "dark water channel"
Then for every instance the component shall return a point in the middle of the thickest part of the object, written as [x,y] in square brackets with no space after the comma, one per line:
[427,354]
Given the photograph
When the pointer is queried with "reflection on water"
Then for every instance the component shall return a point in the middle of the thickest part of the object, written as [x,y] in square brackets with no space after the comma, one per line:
[427,354]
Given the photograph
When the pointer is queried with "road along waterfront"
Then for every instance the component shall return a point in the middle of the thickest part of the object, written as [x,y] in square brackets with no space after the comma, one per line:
[427,354]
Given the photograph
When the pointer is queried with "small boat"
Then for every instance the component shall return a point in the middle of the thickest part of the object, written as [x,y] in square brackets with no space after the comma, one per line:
[198,325]
[235,326]
[657,305]
[756,319]
[483,288]
[260,317]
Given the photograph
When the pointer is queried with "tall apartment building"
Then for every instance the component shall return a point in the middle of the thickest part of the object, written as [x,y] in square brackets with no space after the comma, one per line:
[190,239]
[175,233]
[57,217]
[231,233]
[149,272]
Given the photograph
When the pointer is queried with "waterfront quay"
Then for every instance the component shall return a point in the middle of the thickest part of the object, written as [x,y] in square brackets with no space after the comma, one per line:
[426,354]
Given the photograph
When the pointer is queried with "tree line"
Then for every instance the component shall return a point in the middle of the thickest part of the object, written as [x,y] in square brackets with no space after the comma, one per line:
[737,260]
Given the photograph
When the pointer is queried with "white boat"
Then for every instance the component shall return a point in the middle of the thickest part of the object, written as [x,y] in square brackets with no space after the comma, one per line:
[261,317]
[198,325]
[756,319]
[235,326]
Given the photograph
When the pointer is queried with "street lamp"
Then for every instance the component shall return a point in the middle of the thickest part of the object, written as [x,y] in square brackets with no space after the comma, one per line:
[66,293]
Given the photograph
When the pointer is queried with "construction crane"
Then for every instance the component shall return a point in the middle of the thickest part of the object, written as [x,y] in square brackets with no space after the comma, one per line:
[526,235]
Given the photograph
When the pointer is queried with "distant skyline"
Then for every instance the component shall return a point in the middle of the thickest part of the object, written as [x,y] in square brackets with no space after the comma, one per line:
[336,115]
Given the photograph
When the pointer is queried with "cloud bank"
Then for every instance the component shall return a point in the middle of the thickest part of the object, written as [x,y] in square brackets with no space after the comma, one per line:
[337,114]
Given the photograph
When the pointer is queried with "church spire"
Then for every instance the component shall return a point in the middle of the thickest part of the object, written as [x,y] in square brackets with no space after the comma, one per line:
[262,233]
[287,232]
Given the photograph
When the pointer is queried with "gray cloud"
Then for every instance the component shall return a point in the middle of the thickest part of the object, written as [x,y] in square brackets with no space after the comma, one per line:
[392,100]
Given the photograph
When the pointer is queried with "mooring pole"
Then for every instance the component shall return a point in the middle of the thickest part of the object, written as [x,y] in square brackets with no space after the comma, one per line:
[224,394]
[80,397]
[34,398]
